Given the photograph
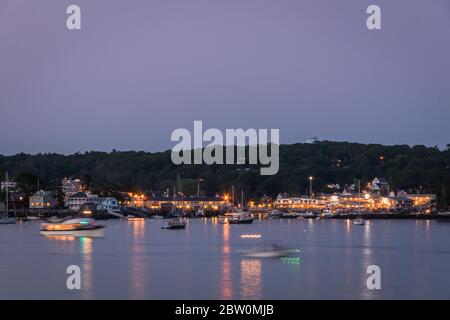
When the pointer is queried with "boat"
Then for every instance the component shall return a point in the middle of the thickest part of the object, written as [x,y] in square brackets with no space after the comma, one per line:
[8,220]
[275,214]
[239,216]
[242,218]
[307,215]
[175,224]
[360,222]
[270,251]
[74,227]
[157,217]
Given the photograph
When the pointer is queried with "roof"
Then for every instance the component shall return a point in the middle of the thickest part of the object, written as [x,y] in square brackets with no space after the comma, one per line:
[403,199]
[79,195]
[42,193]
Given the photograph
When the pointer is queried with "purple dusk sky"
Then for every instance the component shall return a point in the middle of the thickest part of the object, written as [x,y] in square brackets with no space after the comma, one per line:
[139,69]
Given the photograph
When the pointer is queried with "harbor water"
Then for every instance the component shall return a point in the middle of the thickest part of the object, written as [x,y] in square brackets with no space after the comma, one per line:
[209,260]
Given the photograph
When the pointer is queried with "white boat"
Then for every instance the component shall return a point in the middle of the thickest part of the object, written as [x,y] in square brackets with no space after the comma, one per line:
[74,227]
[157,217]
[175,224]
[360,222]
[8,220]
[275,214]
[238,217]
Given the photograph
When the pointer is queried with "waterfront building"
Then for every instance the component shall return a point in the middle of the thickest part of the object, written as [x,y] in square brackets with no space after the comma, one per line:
[191,203]
[381,186]
[76,201]
[108,204]
[43,200]
[403,203]
[300,203]
[70,187]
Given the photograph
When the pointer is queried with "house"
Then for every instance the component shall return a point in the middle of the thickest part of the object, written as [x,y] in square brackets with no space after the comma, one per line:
[108,204]
[43,200]
[403,203]
[70,187]
[381,186]
[76,201]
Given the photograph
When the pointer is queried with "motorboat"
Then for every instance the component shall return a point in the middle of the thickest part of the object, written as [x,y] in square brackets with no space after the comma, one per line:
[175,224]
[241,218]
[360,222]
[74,227]
[270,251]
[275,214]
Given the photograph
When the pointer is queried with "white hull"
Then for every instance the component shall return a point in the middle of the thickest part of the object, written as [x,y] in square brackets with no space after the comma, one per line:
[99,232]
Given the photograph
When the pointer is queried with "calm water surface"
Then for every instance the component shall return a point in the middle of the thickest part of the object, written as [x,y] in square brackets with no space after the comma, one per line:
[138,260]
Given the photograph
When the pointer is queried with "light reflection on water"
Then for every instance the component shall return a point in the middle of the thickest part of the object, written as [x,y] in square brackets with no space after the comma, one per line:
[138,279]
[251,282]
[226,283]
[86,248]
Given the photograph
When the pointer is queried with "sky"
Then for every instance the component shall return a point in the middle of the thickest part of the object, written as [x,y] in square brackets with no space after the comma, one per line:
[139,69]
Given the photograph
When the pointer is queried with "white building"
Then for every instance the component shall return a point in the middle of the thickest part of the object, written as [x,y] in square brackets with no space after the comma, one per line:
[108,204]
[70,187]
[75,201]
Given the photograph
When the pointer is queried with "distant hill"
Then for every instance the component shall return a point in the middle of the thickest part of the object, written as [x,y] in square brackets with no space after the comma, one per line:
[404,167]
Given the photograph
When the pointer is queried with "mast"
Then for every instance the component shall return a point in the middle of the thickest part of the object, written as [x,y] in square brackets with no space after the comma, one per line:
[6,189]
[232,195]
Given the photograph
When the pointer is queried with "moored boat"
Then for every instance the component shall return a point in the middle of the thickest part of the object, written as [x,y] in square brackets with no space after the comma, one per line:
[175,224]
[8,220]
[275,214]
[360,222]
[242,218]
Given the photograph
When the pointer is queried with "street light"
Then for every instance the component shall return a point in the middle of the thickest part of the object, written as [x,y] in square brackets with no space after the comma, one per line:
[310,186]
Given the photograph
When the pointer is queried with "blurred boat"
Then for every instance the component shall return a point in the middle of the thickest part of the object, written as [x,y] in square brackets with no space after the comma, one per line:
[269,251]
[73,227]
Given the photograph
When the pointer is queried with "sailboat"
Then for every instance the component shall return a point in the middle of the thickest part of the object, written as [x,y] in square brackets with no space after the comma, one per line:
[177,222]
[6,219]
[360,221]
[241,216]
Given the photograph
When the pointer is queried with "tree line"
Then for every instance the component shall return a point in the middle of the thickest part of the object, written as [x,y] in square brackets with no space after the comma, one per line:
[410,168]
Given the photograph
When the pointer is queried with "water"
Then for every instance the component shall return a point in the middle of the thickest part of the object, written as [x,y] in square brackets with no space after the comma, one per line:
[138,260]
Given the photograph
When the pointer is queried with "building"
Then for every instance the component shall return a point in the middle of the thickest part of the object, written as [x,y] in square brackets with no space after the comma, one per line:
[380,186]
[43,200]
[299,203]
[192,203]
[403,203]
[108,204]
[70,187]
[76,201]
